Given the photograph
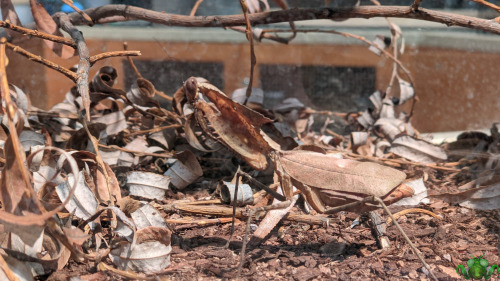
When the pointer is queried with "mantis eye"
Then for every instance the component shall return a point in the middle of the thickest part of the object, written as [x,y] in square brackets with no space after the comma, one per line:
[470,263]
[483,262]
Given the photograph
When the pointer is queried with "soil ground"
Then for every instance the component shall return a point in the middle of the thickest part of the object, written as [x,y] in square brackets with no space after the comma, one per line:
[297,251]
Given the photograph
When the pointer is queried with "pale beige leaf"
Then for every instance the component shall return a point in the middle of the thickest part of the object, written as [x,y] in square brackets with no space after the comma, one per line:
[332,174]
[150,255]
[146,216]
[147,185]
[185,170]
[417,150]
[83,203]
[19,268]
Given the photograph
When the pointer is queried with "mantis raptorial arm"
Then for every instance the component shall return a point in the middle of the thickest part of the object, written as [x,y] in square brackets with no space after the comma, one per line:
[464,271]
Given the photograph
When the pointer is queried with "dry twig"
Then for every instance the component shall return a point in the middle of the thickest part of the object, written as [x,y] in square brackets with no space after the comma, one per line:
[195,7]
[109,13]
[82,80]
[128,54]
[36,33]
[253,59]
[66,72]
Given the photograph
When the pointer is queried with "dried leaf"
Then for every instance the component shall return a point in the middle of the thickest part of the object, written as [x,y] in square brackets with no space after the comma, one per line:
[185,170]
[288,104]
[75,235]
[389,128]
[234,125]
[147,185]
[333,176]
[254,5]
[272,219]
[150,255]
[146,216]
[257,96]
[191,136]
[84,203]
[417,150]
[419,194]
[380,42]
[406,91]
[45,23]
[486,196]
[25,225]
[114,122]
[20,270]
[30,139]
[142,93]
[15,185]
[9,13]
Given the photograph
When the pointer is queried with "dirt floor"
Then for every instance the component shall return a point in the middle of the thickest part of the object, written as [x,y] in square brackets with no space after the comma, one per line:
[298,251]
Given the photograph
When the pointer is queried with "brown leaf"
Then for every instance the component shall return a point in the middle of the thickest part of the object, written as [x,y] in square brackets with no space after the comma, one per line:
[342,177]
[45,23]
[142,93]
[75,235]
[9,13]
[15,184]
[234,125]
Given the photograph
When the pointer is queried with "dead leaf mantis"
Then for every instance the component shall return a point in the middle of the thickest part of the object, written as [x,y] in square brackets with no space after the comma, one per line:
[328,184]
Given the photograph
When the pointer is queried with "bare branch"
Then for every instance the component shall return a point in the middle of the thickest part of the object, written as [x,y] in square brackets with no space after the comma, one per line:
[131,62]
[349,35]
[253,59]
[195,7]
[416,5]
[82,13]
[66,72]
[136,13]
[36,33]
[487,4]
[94,59]
[82,81]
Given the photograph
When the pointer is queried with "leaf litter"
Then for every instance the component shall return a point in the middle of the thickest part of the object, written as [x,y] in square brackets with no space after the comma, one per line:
[136,193]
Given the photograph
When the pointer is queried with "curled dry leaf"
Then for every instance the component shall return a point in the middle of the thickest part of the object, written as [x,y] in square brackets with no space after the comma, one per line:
[234,125]
[114,122]
[29,139]
[75,235]
[142,93]
[19,268]
[84,203]
[185,170]
[417,150]
[99,184]
[45,23]
[150,255]
[15,186]
[147,185]
[389,128]
[419,194]
[146,216]
[52,256]
[406,91]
